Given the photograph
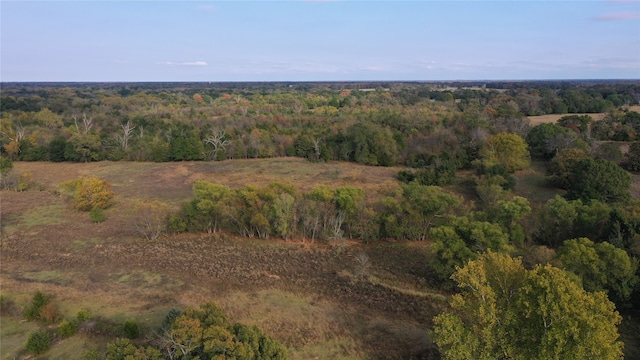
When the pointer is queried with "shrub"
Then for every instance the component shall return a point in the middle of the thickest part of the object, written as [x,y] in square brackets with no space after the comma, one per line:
[38,342]
[131,329]
[176,224]
[83,315]
[91,355]
[32,311]
[97,215]
[67,329]
[49,313]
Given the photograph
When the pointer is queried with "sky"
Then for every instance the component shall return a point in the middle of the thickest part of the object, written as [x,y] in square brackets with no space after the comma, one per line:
[318,40]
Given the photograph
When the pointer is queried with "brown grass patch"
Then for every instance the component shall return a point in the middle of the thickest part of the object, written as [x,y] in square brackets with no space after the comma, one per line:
[292,290]
[552,118]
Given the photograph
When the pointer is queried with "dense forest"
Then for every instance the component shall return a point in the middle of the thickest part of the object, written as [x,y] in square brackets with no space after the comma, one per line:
[460,149]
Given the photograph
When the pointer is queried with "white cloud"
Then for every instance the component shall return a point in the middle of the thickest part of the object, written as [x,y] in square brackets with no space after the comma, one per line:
[185,63]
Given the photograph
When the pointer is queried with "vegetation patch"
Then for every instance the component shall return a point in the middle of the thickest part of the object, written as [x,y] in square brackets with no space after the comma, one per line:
[146,279]
[44,216]
[48,277]
[14,333]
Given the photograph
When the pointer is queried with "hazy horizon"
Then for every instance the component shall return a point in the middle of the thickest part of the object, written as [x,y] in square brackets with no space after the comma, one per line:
[319,41]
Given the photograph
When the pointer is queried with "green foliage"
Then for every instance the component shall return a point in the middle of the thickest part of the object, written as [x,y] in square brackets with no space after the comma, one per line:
[67,329]
[91,355]
[461,241]
[601,266]
[547,139]
[506,311]
[561,219]
[6,165]
[124,349]
[599,180]
[562,166]
[97,215]
[207,333]
[131,329]
[83,315]
[176,224]
[38,302]
[38,342]
[633,157]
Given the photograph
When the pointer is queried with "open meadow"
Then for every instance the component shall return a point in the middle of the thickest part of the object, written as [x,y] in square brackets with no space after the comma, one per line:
[305,295]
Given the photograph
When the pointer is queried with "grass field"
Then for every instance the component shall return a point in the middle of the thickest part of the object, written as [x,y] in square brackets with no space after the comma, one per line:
[551,118]
[301,294]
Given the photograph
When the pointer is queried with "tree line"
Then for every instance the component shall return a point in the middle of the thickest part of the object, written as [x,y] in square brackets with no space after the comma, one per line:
[400,124]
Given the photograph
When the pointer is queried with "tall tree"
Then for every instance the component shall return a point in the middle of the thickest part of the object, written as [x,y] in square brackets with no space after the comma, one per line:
[504,311]
[600,180]
[506,149]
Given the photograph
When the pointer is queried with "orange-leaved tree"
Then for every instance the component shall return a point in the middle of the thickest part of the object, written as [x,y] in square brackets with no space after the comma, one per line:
[89,193]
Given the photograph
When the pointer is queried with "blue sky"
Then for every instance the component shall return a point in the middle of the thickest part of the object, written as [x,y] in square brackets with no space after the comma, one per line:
[318,40]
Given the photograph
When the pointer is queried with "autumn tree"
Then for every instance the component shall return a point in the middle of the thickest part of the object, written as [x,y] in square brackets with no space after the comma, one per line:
[89,193]
[506,149]
[504,311]
[206,333]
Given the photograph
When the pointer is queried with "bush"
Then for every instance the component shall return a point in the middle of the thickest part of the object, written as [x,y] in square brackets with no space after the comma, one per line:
[97,215]
[130,329]
[83,315]
[67,329]
[38,342]
[49,313]
[32,311]
[176,224]
[91,355]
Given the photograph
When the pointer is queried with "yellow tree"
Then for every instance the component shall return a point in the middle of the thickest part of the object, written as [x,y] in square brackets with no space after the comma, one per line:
[504,311]
[506,149]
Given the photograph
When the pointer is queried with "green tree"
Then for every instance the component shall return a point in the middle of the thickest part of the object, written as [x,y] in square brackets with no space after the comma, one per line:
[601,266]
[506,149]
[504,311]
[83,148]
[547,139]
[600,180]
[427,203]
[38,342]
[562,166]
[633,157]
[124,349]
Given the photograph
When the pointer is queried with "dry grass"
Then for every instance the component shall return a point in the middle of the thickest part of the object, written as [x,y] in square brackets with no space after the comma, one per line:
[291,290]
[552,118]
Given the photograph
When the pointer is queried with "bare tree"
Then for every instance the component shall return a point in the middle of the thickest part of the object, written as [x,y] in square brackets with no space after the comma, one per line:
[218,143]
[127,133]
[16,133]
[363,263]
[87,124]
[150,219]
[316,148]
